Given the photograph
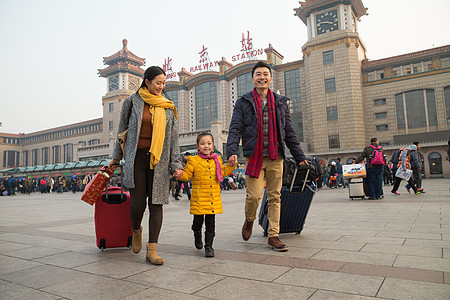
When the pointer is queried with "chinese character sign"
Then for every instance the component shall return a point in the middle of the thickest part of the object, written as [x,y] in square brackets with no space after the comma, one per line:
[167,67]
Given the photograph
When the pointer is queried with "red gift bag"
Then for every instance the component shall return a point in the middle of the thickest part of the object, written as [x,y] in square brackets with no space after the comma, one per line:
[95,187]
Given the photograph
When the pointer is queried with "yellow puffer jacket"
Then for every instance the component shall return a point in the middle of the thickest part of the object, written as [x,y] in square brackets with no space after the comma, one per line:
[206,198]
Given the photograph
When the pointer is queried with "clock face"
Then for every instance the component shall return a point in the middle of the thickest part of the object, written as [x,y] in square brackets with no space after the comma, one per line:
[133,83]
[327,21]
[113,83]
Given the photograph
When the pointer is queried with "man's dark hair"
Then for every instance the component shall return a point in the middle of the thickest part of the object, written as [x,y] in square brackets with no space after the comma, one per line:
[261,64]
[373,140]
[416,143]
[338,159]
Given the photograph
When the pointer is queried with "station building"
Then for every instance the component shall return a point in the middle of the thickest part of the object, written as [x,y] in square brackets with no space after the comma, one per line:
[339,98]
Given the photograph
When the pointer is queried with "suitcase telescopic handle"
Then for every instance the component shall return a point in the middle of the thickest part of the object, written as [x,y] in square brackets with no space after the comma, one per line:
[121,181]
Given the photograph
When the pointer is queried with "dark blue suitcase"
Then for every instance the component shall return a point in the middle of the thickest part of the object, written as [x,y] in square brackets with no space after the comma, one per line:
[295,203]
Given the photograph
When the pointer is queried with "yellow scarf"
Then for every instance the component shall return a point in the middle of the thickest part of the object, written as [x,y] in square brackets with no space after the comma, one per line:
[158,104]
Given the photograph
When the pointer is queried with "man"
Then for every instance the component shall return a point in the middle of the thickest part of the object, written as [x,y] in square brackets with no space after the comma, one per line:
[340,174]
[405,163]
[374,171]
[261,118]
[416,167]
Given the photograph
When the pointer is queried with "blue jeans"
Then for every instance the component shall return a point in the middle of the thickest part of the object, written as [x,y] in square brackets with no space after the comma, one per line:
[339,178]
[375,173]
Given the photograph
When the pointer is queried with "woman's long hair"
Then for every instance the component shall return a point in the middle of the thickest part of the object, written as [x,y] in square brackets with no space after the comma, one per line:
[150,74]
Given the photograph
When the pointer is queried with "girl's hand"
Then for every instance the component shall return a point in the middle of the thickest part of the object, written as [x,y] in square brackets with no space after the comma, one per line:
[178,173]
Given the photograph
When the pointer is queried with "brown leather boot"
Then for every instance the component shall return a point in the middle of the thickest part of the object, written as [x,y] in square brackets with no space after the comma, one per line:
[276,244]
[247,230]
[136,241]
[152,256]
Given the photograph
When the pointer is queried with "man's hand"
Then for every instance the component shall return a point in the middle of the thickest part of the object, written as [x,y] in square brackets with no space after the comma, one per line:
[303,163]
[232,160]
[178,173]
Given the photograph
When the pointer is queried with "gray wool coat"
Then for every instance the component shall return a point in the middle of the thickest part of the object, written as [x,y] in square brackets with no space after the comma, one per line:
[131,118]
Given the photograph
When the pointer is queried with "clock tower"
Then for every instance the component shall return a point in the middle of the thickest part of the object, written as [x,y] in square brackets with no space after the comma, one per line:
[124,76]
[333,115]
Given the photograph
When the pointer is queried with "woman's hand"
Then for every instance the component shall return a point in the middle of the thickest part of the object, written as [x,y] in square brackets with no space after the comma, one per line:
[112,163]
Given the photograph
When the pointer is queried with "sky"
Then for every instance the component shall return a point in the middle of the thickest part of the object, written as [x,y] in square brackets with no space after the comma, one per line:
[51,50]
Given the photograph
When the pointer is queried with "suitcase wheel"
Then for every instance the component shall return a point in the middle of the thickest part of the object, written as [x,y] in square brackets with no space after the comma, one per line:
[102,244]
[129,242]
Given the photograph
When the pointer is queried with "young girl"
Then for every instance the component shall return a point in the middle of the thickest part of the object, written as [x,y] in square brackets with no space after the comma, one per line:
[206,171]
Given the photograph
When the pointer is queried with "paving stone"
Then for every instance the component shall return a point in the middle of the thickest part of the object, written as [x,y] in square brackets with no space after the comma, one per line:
[116,268]
[334,281]
[358,257]
[41,276]
[428,263]
[11,264]
[406,289]
[327,295]
[245,270]
[69,259]
[373,239]
[175,279]
[94,287]
[12,291]
[161,294]
[238,288]
[33,252]
[408,250]
[6,247]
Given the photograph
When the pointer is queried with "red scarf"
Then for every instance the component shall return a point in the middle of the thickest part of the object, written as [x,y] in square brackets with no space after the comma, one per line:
[255,162]
[216,160]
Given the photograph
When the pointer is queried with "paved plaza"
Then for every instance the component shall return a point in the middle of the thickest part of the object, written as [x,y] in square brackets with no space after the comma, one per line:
[394,248]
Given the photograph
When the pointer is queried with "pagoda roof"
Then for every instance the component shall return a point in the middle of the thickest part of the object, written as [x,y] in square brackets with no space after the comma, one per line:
[123,60]
[405,58]
[309,6]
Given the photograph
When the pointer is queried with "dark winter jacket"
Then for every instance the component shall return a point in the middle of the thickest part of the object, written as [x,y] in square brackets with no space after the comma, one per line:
[366,153]
[244,125]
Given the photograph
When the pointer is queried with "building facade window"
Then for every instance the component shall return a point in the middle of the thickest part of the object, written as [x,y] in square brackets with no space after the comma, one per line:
[332,113]
[56,154]
[293,92]
[10,159]
[381,115]
[173,96]
[382,127]
[447,102]
[330,85]
[206,104]
[111,125]
[420,107]
[328,57]
[68,152]
[111,107]
[333,141]
[445,62]
[378,102]
[244,84]
[35,157]
[94,142]
[45,155]
[25,160]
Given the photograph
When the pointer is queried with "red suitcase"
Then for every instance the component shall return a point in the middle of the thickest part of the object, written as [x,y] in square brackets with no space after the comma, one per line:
[112,219]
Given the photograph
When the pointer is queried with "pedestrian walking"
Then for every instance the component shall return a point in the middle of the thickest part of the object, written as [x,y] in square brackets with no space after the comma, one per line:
[151,154]
[206,171]
[375,159]
[261,118]
[404,163]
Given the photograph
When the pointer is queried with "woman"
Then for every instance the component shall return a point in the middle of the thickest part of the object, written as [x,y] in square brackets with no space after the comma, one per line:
[151,154]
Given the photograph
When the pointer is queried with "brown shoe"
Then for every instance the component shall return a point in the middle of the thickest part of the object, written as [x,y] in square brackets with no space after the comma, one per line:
[276,244]
[247,230]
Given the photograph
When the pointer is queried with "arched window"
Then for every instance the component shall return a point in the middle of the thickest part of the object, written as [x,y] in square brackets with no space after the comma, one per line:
[350,160]
[435,160]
